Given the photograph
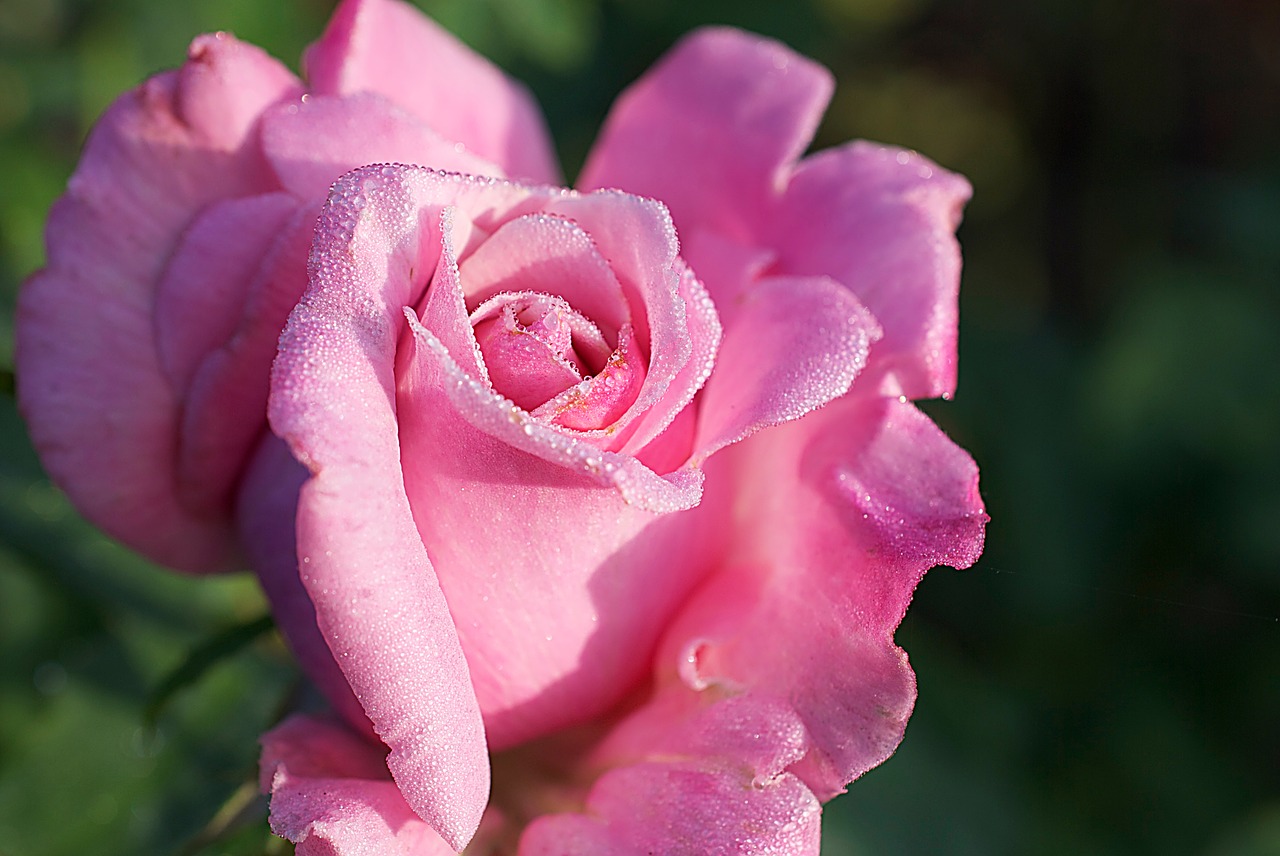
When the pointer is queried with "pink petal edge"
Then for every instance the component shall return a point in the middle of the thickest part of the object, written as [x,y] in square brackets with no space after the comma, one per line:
[105,428]
[390,48]
[712,128]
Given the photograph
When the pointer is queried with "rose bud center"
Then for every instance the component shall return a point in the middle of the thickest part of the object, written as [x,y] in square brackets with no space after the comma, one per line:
[554,362]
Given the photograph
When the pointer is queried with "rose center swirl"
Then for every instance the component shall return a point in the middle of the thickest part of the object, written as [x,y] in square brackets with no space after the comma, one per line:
[553,361]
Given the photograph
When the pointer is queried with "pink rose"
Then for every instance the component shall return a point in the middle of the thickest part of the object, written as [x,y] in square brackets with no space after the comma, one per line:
[493,388]
[512,586]
[594,550]
[144,347]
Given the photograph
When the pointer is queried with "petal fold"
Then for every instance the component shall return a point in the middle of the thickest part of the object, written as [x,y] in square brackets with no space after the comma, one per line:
[882,221]
[862,497]
[331,796]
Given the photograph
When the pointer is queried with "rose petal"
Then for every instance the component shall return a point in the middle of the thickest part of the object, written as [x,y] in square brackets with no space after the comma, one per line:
[265,516]
[794,345]
[444,307]
[712,129]
[882,222]
[553,634]
[224,413]
[862,498]
[638,239]
[727,267]
[551,255]
[105,428]
[331,795]
[704,333]
[312,747]
[201,296]
[528,348]
[377,599]
[368,256]
[598,403]
[682,807]
[392,49]
[758,734]
[312,142]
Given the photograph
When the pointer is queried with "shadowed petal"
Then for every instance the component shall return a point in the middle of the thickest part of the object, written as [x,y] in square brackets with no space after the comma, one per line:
[101,411]
[311,143]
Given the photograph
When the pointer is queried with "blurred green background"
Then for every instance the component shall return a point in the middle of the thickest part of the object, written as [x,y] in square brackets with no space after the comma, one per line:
[1105,681]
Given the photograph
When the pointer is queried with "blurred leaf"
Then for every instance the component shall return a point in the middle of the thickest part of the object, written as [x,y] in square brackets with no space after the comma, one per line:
[214,650]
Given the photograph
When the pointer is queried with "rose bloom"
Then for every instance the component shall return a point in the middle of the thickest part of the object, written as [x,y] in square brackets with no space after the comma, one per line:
[596,537]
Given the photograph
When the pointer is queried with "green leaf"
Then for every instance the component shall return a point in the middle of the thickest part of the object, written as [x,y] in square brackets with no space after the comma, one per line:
[200,659]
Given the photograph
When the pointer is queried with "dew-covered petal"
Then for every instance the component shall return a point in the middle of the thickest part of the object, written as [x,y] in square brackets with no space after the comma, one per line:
[882,222]
[314,140]
[558,564]
[528,349]
[712,129]
[704,334]
[638,239]
[484,478]
[793,345]
[550,255]
[332,796]
[683,806]
[598,402]
[105,428]
[265,516]
[443,304]
[378,602]
[861,498]
[390,48]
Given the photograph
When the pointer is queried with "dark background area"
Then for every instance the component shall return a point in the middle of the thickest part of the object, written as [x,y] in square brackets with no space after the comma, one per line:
[1105,681]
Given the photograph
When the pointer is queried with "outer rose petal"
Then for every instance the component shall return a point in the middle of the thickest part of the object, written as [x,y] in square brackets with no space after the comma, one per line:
[100,410]
[330,795]
[200,300]
[224,414]
[882,221]
[712,129]
[390,48]
[862,498]
[311,143]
